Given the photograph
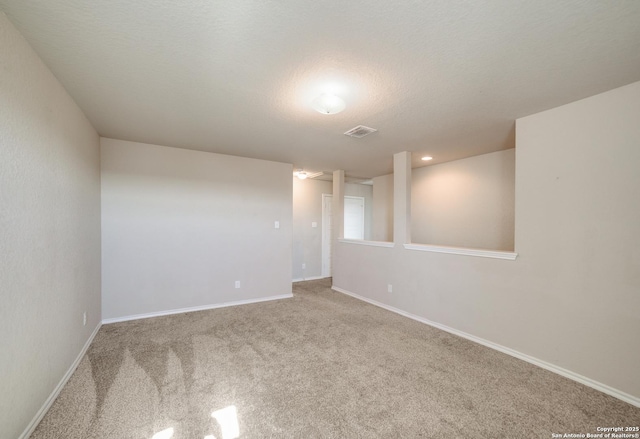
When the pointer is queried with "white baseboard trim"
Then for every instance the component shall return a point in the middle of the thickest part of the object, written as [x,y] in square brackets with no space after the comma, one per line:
[194,308]
[633,400]
[302,279]
[52,397]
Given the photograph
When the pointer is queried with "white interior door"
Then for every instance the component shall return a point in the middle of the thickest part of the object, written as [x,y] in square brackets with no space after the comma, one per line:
[327,208]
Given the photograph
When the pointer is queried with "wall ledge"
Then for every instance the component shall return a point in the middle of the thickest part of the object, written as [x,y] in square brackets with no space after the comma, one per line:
[616,393]
[496,254]
[369,243]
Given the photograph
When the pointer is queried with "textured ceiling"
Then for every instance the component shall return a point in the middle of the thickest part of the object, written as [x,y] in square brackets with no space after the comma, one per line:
[444,78]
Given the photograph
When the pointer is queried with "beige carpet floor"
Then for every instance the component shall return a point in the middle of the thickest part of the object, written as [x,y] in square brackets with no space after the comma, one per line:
[319,365]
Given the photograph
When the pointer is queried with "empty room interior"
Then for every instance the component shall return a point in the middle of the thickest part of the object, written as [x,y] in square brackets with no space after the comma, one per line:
[298,219]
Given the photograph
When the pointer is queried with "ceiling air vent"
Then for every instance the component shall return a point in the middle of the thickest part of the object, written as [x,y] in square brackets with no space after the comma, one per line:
[360,131]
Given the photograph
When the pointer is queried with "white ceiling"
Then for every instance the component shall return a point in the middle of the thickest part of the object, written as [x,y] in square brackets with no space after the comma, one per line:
[444,78]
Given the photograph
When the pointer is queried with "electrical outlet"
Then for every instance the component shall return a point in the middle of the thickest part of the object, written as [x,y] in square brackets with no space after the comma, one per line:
[304,266]
[390,288]
[314,224]
[84,318]
[237,284]
[276,225]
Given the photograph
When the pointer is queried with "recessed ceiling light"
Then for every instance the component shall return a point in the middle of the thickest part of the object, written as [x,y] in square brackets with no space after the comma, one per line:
[426,158]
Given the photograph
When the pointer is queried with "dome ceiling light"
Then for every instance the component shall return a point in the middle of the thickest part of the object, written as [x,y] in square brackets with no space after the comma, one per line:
[303,175]
[328,104]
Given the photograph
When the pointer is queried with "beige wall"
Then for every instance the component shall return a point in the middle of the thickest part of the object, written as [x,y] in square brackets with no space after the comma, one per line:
[465,203]
[307,240]
[179,227]
[382,227]
[49,232]
[571,298]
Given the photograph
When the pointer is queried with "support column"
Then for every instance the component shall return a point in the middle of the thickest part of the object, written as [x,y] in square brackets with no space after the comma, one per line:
[337,220]
[401,197]
[337,212]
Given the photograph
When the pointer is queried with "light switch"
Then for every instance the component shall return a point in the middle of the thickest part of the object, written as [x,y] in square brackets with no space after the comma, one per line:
[277,225]
[314,224]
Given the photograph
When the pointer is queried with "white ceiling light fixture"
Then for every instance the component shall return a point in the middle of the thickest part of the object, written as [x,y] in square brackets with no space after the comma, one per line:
[301,175]
[426,158]
[328,104]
